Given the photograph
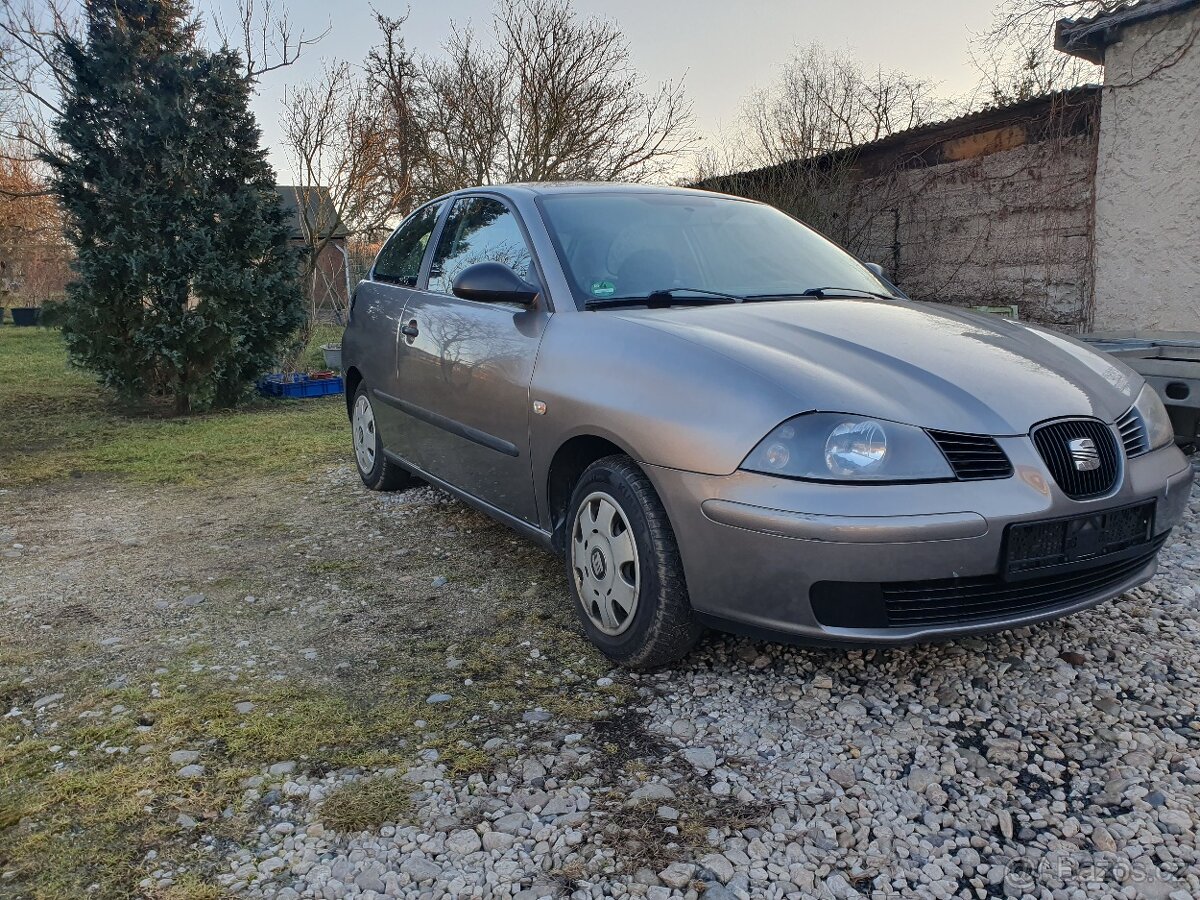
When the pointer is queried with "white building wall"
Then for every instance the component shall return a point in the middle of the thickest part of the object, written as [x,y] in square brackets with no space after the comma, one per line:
[1147,228]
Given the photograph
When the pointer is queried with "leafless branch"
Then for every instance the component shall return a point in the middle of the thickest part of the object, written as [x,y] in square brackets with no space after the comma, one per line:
[338,159]
[266,37]
[32,71]
[1016,58]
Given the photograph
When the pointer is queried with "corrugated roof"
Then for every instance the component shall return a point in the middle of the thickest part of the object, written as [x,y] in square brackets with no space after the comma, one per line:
[1088,38]
[946,129]
[968,121]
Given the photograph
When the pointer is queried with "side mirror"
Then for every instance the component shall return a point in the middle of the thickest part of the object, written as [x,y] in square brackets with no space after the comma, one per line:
[493,282]
[876,269]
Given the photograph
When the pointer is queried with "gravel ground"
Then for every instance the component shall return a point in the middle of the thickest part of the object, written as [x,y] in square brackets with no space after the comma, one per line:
[1056,761]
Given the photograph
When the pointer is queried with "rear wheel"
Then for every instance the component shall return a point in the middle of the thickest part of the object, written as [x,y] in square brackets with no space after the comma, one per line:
[624,568]
[376,470]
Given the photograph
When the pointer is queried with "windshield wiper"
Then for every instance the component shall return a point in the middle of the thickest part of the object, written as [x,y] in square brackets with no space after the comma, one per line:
[665,298]
[827,292]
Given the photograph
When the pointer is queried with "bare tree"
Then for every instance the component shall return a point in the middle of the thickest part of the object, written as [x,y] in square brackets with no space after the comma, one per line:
[352,137]
[1016,58]
[350,140]
[334,149]
[826,101]
[555,97]
[393,80]
[463,117]
[797,143]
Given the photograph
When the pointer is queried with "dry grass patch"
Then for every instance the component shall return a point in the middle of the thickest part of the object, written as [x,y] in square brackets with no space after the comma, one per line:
[367,804]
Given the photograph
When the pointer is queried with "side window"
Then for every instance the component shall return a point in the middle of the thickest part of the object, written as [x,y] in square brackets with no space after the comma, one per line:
[399,261]
[479,229]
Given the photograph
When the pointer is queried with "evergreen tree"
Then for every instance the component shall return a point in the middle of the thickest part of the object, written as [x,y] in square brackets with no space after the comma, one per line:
[185,277]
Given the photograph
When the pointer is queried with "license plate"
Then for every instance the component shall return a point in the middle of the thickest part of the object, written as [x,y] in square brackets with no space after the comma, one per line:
[1033,547]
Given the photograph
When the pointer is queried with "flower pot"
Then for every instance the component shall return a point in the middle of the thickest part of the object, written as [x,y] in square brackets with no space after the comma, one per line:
[333,356]
[25,315]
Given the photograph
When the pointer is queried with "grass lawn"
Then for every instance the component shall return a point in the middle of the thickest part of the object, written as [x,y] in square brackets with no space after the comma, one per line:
[56,422]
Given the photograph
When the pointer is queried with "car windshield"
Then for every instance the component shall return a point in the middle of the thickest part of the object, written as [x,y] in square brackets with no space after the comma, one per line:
[629,245]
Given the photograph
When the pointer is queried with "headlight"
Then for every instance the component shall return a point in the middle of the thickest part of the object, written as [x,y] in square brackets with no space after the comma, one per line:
[837,447]
[1159,430]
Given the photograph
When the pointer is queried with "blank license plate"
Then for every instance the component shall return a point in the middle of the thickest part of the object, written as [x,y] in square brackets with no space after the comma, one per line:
[1033,547]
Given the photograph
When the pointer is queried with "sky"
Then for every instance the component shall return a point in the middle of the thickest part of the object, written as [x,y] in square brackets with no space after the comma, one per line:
[723,49]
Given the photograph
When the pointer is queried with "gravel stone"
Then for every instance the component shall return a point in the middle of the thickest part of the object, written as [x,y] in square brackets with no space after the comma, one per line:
[703,758]
[422,774]
[497,840]
[1175,821]
[463,842]
[512,823]
[1102,840]
[719,865]
[652,791]
[677,875]
[420,870]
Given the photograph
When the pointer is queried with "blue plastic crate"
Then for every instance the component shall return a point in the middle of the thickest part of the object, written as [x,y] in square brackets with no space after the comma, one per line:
[299,385]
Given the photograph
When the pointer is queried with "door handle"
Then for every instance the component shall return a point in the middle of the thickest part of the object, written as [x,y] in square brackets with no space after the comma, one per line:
[410,330]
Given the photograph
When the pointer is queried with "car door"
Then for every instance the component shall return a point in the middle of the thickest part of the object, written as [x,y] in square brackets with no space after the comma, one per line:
[465,366]
[378,309]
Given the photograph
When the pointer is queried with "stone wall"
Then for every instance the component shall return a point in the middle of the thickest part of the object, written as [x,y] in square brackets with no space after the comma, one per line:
[1147,231]
[1005,227]
[990,209]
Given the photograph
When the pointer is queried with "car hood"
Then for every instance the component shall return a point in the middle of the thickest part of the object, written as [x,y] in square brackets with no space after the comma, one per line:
[924,364]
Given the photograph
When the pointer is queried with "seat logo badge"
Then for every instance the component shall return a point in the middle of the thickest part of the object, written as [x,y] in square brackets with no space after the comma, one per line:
[1084,454]
[599,567]
[539,407]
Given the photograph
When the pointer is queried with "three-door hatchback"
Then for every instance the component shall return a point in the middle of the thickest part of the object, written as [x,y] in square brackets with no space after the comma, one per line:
[718,417]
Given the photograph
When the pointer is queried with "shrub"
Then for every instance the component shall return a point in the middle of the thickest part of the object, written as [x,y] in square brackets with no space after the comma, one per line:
[185,280]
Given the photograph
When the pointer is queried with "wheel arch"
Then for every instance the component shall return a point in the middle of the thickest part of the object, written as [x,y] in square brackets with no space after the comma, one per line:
[353,378]
[569,462]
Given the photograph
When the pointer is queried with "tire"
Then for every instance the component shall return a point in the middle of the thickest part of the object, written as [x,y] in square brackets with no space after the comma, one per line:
[624,569]
[376,471]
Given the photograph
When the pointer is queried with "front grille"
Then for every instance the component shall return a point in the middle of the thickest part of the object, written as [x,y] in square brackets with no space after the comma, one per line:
[973,457]
[1053,443]
[951,600]
[1133,434]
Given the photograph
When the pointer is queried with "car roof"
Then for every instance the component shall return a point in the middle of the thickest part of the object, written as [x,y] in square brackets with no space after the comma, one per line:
[544,188]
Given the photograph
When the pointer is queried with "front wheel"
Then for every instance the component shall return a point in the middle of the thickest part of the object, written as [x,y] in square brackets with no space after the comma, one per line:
[376,471]
[624,568]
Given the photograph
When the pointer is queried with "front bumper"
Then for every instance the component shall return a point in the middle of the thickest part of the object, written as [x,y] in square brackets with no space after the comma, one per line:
[753,546]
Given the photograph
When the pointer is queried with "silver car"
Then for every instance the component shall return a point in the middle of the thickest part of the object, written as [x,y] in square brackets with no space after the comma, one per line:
[719,418]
